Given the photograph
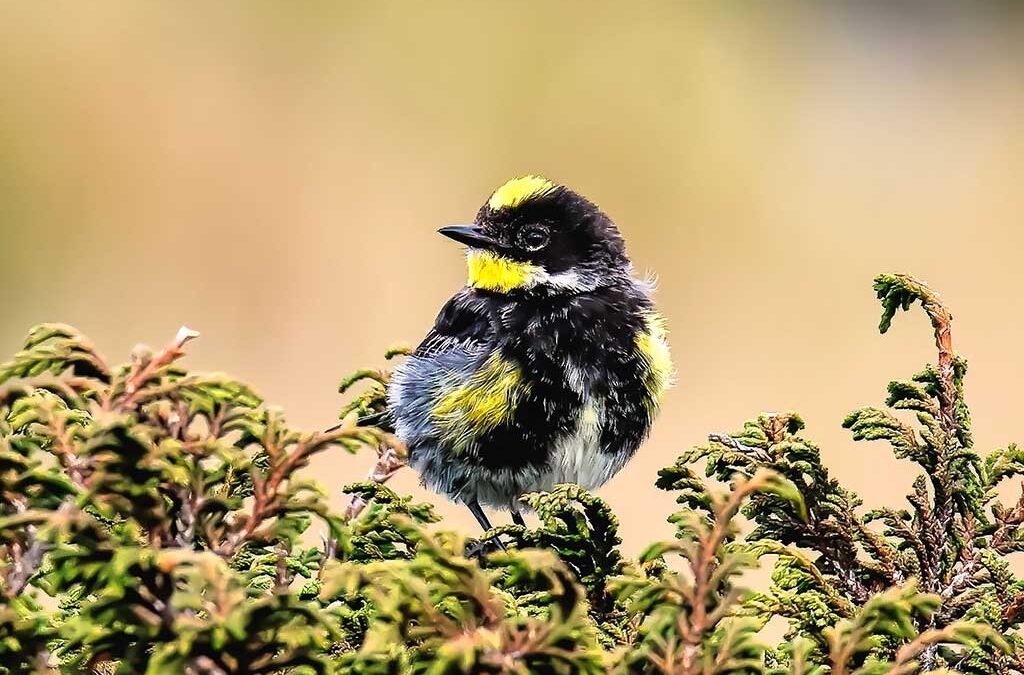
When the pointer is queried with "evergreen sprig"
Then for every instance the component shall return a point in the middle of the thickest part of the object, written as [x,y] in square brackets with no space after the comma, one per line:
[154,520]
[946,543]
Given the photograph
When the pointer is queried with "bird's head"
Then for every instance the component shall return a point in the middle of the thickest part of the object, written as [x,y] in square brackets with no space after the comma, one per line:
[536,235]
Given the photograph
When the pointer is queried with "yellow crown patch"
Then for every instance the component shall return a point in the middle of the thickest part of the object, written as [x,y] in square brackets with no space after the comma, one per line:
[518,190]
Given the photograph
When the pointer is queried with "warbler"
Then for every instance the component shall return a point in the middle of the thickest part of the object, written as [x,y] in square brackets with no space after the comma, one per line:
[547,367]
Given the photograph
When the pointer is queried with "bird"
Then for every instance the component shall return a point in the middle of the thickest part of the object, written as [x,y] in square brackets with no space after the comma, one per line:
[548,367]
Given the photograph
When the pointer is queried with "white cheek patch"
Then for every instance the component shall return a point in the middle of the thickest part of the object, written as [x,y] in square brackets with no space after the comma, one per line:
[569,280]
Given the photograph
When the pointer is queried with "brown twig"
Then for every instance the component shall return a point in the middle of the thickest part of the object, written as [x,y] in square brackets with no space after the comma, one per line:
[1014,610]
[924,646]
[266,491]
[390,458]
[389,461]
[941,320]
[694,626]
[141,373]
[267,496]
[936,513]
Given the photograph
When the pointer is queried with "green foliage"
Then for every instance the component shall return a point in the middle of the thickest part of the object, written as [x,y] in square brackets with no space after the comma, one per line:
[688,621]
[158,521]
[950,542]
[439,612]
[162,510]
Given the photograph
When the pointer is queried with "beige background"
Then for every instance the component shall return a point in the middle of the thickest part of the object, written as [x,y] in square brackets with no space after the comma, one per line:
[272,174]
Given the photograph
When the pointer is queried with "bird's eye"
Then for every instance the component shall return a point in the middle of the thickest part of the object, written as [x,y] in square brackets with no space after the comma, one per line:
[534,238]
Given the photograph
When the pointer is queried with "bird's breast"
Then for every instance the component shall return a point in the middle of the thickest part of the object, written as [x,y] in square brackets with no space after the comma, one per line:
[575,456]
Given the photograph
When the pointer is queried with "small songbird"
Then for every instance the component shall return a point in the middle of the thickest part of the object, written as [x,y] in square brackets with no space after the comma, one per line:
[548,367]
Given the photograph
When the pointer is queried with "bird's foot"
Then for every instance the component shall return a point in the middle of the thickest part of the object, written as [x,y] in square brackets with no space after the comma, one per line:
[517,518]
[480,548]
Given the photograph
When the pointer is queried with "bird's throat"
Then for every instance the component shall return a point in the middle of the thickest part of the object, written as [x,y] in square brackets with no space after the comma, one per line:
[491,272]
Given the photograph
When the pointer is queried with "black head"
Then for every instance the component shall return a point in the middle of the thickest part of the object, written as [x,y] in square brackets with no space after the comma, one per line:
[533,233]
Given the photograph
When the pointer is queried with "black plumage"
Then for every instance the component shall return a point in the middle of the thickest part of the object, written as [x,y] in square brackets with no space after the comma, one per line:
[548,367]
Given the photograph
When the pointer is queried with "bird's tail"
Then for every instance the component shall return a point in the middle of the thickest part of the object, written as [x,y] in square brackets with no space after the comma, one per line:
[380,419]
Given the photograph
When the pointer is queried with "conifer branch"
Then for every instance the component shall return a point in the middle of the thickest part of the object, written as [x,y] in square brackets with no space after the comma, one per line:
[165,515]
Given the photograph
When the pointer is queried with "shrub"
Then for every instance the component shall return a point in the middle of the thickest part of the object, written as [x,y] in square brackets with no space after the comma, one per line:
[158,521]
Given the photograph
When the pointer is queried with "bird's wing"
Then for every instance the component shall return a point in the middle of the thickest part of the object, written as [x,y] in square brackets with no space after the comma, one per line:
[447,356]
[464,324]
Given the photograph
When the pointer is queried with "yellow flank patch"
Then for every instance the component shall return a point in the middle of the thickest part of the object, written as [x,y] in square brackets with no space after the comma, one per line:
[518,190]
[487,399]
[491,272]
[652,344]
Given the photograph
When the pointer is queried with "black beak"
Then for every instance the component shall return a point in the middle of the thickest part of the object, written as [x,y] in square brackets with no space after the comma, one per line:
[470,235]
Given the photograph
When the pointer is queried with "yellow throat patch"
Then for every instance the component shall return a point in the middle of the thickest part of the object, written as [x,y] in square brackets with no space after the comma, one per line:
[518,190]
[652,344]
[491,272]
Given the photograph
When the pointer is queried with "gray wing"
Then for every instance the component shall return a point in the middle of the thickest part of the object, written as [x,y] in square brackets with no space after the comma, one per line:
[446,357]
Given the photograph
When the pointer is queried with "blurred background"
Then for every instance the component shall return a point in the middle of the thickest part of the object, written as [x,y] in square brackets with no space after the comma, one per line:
[272,174]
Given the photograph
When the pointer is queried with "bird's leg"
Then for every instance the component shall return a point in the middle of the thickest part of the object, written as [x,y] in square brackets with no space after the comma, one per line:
[517,517]
[484,546]
[478,513]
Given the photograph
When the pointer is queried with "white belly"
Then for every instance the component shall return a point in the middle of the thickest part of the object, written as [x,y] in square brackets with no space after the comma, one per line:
[577,456]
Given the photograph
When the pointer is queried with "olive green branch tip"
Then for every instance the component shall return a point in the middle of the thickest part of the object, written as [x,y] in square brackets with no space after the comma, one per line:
[397,350]
[366,374]
[899,292]
[766,480]
[377,377]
